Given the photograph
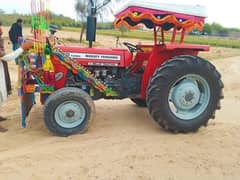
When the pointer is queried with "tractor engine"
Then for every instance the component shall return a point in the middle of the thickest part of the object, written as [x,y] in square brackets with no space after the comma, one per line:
[126,84]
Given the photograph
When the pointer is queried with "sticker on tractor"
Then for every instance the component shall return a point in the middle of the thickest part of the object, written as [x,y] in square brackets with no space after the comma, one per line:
[94,56]
[103,64]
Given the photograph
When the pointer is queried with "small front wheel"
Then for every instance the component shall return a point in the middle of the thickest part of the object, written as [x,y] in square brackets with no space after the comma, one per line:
[68,111]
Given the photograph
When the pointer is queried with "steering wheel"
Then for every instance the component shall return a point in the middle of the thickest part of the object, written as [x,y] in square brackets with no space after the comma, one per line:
[132,48]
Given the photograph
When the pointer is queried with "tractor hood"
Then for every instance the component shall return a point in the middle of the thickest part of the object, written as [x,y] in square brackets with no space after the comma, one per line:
[98,56]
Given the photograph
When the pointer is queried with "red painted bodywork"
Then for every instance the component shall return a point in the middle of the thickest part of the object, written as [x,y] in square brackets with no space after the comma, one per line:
[150,59]
[59,68]
[158,54]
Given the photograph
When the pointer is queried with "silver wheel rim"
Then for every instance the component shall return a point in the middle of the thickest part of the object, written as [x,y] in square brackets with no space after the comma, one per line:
[189,97]
[70,114]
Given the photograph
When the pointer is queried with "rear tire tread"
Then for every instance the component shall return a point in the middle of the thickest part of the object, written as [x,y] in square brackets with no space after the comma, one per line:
[157,84]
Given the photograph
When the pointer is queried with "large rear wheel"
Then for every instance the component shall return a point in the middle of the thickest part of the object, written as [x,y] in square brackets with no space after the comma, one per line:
[184,94]
[68,111]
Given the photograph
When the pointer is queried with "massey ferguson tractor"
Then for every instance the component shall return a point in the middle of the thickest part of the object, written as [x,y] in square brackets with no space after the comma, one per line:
[181,90]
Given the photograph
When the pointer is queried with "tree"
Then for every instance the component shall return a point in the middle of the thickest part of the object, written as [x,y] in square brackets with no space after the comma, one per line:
[123,29]
[14,11]
[207,29]
[82,7]
[2,11]
[219,30]
[81,10]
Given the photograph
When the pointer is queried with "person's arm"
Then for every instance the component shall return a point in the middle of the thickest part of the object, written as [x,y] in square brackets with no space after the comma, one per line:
[21,34]
[13,55]
[18,33]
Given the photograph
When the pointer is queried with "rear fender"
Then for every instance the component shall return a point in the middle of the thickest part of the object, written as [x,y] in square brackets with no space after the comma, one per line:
[162,53]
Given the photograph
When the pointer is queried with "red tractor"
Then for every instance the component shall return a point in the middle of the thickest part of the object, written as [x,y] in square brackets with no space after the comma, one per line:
[181,90]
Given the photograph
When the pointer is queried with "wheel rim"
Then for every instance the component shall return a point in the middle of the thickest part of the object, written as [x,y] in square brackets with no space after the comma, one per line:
[189,97]
[70,114]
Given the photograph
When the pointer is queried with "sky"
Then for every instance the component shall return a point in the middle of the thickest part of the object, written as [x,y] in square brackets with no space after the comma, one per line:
[223,12]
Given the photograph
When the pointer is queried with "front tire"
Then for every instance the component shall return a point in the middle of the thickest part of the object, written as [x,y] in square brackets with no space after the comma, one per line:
[184,94]
[68,111]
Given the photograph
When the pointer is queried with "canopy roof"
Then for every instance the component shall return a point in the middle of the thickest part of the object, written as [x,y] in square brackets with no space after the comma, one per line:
[153,14]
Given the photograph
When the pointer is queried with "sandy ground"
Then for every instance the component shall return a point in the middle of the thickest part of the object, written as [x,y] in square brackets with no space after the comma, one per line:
[123,143]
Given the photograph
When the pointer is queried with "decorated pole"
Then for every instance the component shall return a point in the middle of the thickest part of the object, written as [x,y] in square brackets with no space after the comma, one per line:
[33,59]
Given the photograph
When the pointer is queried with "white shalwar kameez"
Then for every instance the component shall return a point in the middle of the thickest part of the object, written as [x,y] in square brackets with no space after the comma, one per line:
[3,87]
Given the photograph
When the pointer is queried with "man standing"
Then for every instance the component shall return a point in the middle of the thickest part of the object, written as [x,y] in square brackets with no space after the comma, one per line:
[15,33]
[5,64]
[4,76]
[3,80]
[53,40]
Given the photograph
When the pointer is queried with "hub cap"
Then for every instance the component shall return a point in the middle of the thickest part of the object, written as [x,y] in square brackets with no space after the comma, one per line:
[70,114]
[189,97]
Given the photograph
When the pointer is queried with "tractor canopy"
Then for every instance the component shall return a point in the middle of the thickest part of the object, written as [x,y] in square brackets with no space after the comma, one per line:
[155,14]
